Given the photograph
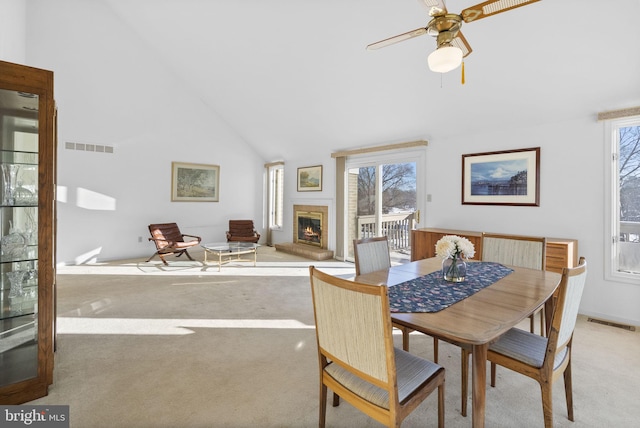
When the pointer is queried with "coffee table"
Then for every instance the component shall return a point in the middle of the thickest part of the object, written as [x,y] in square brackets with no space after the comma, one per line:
[230,249]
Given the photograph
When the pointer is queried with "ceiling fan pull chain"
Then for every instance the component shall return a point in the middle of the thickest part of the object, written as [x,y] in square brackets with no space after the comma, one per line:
[462,78]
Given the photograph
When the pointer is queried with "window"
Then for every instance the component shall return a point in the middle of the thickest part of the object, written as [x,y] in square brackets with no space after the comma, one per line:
[276,195]
[623,217]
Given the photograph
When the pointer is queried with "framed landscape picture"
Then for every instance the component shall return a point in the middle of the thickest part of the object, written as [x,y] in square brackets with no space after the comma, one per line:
[310,179]
[193,182]
[510,177]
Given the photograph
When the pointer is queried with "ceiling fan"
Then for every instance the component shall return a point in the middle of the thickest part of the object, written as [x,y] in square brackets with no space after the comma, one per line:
[451,44]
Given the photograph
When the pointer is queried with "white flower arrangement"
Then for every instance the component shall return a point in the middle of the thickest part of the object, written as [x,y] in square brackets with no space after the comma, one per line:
[452,246]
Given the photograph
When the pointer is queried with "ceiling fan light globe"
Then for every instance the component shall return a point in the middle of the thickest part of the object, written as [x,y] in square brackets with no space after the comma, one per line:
[445,59]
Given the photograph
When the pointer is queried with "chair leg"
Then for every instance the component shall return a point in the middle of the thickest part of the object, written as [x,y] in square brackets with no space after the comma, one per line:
[188,255]
[568,391]
[405,338]
[323,405]
[547,403]
[435,350]
[464,380]
[493,374]
[163,260]
[336,400]
[532,323]
[441,405]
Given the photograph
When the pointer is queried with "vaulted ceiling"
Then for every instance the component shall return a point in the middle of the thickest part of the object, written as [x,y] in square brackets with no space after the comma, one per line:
[293,74]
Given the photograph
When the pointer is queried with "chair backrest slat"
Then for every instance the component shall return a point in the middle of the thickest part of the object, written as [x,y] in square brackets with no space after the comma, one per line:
[514,250]
[371,254]
[241,227]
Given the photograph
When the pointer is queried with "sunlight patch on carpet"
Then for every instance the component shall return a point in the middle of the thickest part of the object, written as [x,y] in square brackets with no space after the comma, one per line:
[171,327]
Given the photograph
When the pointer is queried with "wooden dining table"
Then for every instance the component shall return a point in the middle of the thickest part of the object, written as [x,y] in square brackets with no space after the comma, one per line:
[476,321]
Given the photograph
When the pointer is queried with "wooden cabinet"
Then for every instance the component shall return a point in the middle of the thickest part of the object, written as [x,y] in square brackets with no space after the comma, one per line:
[27,232]
[423,241]
[559,252]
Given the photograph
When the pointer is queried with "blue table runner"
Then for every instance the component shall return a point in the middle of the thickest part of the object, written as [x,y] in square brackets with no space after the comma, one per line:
[431,293]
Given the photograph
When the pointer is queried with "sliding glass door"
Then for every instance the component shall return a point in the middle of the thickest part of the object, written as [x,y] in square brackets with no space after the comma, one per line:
[383,199]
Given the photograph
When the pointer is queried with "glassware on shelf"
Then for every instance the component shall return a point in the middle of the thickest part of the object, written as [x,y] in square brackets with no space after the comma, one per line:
[17,295]
[31,271]
[31,227]
[14,244]
[22,195]
[16,279]
[9,177]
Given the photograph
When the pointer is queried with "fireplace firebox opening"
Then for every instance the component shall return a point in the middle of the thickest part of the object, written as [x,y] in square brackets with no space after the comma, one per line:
[309,228]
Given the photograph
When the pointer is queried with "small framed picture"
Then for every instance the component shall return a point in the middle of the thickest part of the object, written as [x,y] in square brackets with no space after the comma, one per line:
[510,177]
[193,182]
[310,178]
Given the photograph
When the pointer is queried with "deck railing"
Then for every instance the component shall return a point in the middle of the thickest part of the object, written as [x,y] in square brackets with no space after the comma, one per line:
[630,231]
[396,227]
[629,247]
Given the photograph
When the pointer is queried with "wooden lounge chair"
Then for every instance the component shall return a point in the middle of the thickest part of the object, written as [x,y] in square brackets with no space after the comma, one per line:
[169,240]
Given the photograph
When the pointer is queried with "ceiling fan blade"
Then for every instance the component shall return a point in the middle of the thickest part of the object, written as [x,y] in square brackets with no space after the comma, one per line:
[434,7]
[491,7]
[399,38]
[460,42]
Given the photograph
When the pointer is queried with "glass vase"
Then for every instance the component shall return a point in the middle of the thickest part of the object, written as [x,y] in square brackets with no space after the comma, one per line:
[9,177]
[14,244]
[16,279]
[454,269]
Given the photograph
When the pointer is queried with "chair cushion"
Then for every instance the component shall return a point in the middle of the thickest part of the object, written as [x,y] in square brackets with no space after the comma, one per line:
[187,244]
[525,347]
[167,237]
[412,371]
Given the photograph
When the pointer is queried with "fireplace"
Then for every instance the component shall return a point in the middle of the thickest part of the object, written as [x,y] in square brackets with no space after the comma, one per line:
[310,225]
[309,228]
[310,233]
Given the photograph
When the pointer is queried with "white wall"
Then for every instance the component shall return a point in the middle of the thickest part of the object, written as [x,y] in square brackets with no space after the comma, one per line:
[12,30]
[112,90]
[571,200]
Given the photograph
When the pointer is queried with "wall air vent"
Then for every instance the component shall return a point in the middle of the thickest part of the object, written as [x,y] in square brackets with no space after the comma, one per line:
[88,147]
[612,324]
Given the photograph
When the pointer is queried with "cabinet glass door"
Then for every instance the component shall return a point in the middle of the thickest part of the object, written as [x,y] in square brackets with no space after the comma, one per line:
[18,236]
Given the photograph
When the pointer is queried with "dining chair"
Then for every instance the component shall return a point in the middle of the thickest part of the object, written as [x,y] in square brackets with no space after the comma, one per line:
[517,250]
[357,359]
[546,358]
[372,254]
[513,250]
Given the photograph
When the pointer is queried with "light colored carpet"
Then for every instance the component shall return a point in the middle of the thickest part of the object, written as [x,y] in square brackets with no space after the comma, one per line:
[143,345]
